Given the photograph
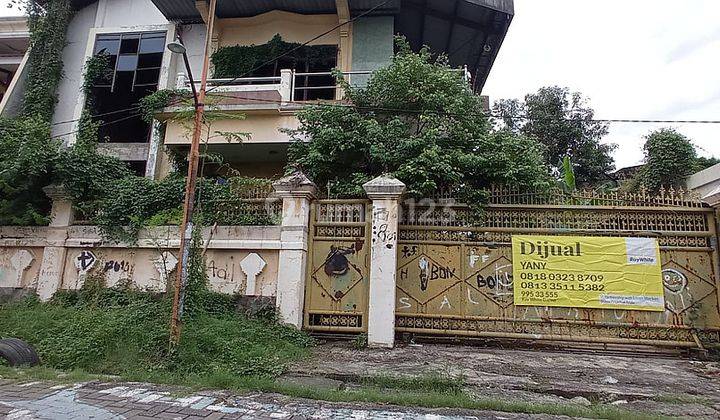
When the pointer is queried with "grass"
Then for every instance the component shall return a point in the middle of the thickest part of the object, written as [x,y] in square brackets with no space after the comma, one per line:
[110,335]
[683,399]
[425,392]
[124,333]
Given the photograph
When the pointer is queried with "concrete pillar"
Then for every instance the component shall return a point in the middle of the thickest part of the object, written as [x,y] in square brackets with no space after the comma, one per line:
[297,193]
[286,82]
[52,267]
[385,194]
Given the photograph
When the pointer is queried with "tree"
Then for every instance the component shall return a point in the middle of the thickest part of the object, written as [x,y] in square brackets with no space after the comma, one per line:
[563,122]
[417,120]
[670,158]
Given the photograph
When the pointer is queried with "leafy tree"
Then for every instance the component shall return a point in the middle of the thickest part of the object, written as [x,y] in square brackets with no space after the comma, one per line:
[419,121]
[705,162]
[670,158]
[563,122]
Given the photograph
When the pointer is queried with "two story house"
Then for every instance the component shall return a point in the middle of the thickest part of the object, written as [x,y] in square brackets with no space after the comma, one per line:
[357,38]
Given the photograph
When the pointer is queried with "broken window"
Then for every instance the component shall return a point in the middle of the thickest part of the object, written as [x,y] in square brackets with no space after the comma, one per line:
[133,71]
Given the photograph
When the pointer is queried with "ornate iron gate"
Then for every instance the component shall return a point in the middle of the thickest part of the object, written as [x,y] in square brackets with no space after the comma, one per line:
[337,284]
[454,274]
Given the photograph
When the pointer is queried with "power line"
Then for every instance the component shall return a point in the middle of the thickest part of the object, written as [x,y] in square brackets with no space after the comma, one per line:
[494,116]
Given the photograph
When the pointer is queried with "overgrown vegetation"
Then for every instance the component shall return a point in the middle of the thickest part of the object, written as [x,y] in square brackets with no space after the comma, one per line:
[239,60]
[102,188]
[29,151]
[670,158]
[418,120]
[124,332]
[563,122]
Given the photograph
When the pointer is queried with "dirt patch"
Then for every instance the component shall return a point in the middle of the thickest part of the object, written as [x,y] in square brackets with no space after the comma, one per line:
[673,386]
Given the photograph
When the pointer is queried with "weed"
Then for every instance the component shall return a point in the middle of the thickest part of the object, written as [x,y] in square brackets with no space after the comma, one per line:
[427,383]
[108,331]
[360,341]
[682,399]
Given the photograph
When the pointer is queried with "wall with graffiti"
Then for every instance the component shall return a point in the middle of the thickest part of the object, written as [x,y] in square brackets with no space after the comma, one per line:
[477,281]
[20,266]
[232,272]
[239,260]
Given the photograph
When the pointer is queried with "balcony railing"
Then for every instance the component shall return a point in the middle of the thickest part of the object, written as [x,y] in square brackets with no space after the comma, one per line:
[290,86]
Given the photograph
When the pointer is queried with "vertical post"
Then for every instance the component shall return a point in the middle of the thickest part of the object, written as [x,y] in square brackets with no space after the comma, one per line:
[297,193]
[286,85]
[194,158]
[52,267]
[385,194]
[713,199]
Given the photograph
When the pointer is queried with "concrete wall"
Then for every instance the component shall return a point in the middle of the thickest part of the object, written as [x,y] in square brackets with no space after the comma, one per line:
[292,27]
[149,266]
[263,128]
[373,45]
[706,181]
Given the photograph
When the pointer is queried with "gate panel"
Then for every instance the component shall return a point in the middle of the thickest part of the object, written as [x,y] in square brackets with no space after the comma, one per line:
[455,277]
[337,283]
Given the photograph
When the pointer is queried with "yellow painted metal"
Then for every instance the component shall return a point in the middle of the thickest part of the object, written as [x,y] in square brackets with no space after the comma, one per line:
[454,274]
[337,284]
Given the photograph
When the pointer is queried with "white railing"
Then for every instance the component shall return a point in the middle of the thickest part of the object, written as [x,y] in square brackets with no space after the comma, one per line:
[289,84]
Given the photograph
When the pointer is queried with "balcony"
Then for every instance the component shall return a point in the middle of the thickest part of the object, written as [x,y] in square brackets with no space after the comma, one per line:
[289,91]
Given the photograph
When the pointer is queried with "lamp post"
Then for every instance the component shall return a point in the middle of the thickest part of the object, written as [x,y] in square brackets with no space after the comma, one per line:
[186,227]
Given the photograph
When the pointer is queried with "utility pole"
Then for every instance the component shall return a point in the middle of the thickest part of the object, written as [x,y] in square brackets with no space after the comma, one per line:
[186,228]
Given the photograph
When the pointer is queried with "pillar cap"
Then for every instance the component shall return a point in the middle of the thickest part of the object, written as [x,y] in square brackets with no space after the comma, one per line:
[297,184]
[56,192]
[384,187]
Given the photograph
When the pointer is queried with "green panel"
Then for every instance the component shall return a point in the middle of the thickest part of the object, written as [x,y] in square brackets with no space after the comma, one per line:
[372,45]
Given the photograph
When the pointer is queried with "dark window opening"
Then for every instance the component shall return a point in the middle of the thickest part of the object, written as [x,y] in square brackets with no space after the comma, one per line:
[138,167]
[133,72]
[243,61]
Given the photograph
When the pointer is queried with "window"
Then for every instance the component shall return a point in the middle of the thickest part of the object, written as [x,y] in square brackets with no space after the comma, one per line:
[133,71]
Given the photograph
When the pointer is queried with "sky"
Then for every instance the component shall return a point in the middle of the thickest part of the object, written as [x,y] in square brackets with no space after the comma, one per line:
[633,59]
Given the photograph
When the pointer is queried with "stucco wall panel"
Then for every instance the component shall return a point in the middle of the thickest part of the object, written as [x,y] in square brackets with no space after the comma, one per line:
[20,266]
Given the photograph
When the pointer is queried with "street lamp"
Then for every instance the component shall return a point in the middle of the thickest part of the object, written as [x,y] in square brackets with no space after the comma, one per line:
[178,48]
[193,160]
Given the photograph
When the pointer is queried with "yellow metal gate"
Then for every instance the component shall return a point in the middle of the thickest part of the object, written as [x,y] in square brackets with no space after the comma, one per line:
[454,274]
[337,284]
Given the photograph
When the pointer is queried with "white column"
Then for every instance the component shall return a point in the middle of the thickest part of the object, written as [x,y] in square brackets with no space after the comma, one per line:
[297,193]
[53,263]
[286,76]
[385,195]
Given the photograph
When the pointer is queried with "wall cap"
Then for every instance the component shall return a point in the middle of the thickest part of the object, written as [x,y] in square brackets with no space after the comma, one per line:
[56,192]
[297,184]
[384,187]
[713,197]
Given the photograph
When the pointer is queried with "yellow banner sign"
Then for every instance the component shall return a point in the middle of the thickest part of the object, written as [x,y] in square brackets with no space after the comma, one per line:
[587,272]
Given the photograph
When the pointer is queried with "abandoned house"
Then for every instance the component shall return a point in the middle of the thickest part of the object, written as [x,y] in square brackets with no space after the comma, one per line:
[134,35]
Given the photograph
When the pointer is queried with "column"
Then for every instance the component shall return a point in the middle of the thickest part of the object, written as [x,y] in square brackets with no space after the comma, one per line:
[286,85]
[385,194]
[297,193]
[52,267]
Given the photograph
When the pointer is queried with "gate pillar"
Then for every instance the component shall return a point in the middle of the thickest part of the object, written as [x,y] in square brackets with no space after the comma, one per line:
[297,193]
[385,194]
[52,267]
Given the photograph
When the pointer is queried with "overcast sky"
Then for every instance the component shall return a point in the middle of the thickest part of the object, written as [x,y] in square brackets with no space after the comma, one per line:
[646,59]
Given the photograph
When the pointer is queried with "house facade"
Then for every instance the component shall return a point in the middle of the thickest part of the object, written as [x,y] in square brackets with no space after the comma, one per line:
[352,36]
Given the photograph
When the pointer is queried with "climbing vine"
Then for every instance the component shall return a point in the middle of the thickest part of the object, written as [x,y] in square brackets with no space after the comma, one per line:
[239,60]
[29,150]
